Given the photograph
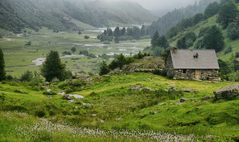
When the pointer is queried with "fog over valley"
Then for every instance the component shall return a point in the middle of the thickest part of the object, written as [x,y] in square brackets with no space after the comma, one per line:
[162,5]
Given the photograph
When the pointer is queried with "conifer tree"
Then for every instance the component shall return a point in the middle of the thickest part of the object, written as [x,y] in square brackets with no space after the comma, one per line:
[2,66]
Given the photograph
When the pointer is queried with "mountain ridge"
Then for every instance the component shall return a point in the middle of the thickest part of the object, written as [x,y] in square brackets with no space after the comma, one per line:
[58,14]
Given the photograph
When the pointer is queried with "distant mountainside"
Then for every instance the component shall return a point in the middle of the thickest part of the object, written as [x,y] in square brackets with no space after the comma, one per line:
[171,19]
[69,14]
[216,28]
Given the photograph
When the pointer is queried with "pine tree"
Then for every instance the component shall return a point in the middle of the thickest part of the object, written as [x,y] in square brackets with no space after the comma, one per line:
[104,69]
[154,40]
[212,9]
[213,39]
[117,32]
[227,14]
[2,66]
[53,68]
[163,42]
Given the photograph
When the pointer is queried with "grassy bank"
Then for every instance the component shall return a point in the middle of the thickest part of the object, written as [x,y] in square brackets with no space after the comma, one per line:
[132,102]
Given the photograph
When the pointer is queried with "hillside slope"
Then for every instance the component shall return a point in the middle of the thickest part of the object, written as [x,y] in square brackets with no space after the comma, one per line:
[69,15]
[233,44]
[141,102]
[171,19]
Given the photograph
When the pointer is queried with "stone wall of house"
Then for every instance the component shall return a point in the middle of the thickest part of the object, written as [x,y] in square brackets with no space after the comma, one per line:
[169,67]
[189,74]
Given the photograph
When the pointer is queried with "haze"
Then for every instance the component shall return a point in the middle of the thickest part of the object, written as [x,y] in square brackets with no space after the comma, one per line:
[162,4]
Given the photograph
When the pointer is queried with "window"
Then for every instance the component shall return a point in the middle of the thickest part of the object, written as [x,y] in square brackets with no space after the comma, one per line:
[184,71]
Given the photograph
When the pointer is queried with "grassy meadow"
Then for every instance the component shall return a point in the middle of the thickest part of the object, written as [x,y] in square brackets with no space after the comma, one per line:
[125,107]
[130,107]
[19,56]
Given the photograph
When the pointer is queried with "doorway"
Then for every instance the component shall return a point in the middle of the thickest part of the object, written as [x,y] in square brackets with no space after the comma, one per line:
[197,74]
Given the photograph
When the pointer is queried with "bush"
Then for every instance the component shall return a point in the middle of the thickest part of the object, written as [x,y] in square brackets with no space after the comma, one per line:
[228,50]
[40,113]
[187,41]
[71,85]
[37,81]
[234,76]
[104,68]
[86,37]
[120,61]
[29,43]
[233,31]
[237,55]
[26,77]
[66,53]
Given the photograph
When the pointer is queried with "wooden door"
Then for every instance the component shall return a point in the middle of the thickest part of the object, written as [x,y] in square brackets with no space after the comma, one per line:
[197,74]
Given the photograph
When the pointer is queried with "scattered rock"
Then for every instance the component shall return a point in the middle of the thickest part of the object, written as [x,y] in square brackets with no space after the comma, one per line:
[118,119]
[153,112]
[87,105]
[49,92]
[140,88]
[182,100]
[72,96]
[93,115]
[62,93]
[20,91]
[227,93]
[76,96]
[102,121]
[172,89]
[189,90]
[207,98]
[67,97]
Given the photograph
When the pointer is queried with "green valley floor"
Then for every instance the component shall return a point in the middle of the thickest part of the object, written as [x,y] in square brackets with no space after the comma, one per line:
[124,107]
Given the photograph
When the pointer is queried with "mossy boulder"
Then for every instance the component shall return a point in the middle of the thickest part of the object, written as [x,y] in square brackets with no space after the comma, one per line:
[227,93]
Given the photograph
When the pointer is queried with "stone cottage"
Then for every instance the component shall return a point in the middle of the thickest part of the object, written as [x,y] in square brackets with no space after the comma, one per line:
[193,65]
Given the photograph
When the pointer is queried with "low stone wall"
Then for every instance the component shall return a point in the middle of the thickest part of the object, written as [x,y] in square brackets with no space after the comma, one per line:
[190,74]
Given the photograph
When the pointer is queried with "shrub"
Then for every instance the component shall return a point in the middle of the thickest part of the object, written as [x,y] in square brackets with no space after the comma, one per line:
[66,53]
[228,50]
[29,43]
[86,37]
[104,68]
[37,81]
[233,31]
[237,55]
[120,61]
[40,113]
[26,77]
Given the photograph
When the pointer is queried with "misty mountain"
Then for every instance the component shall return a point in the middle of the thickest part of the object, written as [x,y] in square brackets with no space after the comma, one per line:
[171,19]
[69,14]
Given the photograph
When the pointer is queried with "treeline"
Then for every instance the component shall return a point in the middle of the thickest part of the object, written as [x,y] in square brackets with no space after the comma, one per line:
[171,19]
[52,70]
[121,34]
[119,62]
[16,15]
[210,11]
[209,37]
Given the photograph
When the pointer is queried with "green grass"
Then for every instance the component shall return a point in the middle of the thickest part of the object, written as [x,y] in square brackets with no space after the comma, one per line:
[110,103]
[19,57]
[208,23]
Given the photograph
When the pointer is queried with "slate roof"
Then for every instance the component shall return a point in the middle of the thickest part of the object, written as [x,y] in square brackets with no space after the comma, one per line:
[194,59]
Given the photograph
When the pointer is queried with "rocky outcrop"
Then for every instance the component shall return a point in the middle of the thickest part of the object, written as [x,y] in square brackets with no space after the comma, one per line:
[227,93]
